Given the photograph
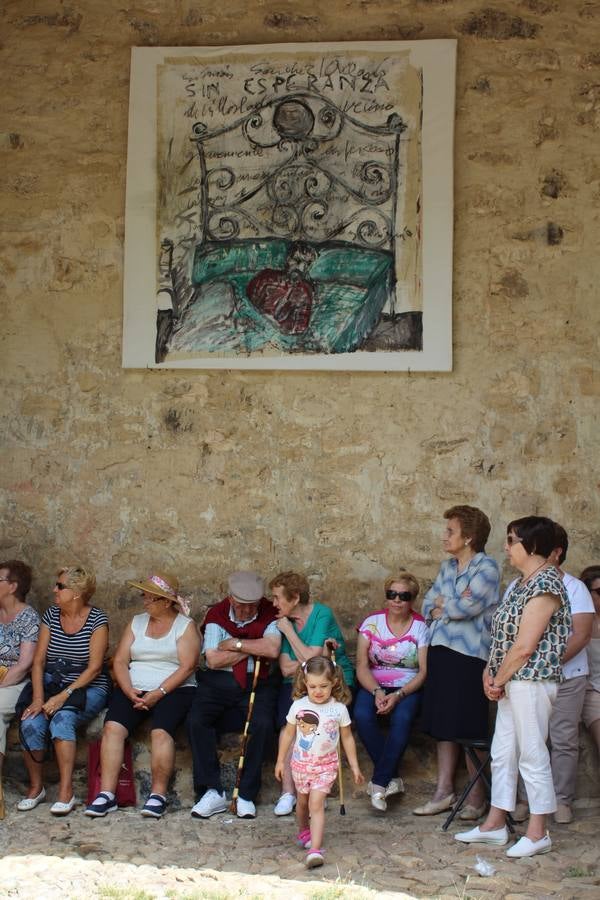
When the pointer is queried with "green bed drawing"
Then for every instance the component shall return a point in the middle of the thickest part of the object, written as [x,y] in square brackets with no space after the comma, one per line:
[351,285]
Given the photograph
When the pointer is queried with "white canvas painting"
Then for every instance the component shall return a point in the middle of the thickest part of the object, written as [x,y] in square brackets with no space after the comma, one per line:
[290,207]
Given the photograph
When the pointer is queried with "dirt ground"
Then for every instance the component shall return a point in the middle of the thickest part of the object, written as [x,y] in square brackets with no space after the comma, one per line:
[368,854]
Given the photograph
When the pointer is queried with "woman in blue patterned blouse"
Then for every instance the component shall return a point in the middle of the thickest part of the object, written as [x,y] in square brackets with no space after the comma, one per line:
[530,630]
[459,607]
[19,629]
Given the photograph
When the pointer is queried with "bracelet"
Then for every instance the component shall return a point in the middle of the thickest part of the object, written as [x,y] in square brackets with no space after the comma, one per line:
[162,690]
[68,691]
[400,693]
[374,691]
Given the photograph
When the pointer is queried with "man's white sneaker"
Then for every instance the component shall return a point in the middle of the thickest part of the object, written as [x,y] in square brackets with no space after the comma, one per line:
[476,836]
[210,803]
[285,805]
[527,847]
[245,809]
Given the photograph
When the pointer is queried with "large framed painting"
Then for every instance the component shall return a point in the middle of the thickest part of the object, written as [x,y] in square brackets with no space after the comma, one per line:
[290,207]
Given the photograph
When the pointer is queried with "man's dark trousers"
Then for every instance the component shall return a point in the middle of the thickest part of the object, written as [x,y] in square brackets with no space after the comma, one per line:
[221,705]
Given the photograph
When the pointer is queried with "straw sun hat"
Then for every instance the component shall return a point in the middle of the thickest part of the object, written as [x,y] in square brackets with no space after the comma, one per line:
[163,584]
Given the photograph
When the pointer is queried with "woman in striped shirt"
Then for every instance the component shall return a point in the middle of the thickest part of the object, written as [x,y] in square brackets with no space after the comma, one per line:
[69,684]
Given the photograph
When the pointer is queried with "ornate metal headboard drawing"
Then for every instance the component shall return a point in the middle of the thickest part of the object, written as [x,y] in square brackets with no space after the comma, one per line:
[300,167]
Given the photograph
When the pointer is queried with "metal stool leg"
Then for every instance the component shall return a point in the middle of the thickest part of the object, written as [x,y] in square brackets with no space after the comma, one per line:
[480,767]
[479,773]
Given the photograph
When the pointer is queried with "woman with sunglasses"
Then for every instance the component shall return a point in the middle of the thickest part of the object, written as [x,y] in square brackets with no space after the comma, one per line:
[530,630]
[591,702]
[391,665]
[459,607]
[69,685]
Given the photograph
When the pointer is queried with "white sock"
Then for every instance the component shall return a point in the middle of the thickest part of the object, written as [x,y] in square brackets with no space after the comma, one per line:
[153,801]
[108,794]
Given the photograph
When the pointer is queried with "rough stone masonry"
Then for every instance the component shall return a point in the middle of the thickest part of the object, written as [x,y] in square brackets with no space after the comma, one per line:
[342,476]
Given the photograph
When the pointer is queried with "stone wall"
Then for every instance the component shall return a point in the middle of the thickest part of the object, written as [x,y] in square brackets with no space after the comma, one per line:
[342,476]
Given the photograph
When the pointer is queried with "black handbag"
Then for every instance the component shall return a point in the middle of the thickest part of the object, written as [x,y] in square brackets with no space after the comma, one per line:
[54,683]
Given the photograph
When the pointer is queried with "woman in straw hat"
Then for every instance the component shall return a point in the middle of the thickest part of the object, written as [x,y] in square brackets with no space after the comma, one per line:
[154,668]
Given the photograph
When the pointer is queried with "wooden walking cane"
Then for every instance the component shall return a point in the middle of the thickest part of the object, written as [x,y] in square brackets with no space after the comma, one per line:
[339,749]
[240,769]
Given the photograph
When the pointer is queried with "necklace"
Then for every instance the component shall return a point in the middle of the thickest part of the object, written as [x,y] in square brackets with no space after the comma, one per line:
[535,571]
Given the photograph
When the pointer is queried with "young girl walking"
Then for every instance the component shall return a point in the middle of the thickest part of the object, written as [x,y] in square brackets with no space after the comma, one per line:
[317,719]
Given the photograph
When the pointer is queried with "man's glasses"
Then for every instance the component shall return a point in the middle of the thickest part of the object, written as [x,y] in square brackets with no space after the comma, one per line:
[513,539]
[405,596]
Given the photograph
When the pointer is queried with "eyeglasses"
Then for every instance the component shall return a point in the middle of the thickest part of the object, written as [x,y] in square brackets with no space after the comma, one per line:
[513,539]
[593,590]
[405,596]
[6,579]
[61,586]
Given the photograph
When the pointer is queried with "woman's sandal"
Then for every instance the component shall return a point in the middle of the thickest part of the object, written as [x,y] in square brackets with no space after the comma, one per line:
[28,803]
[63,809]
[101,806]
[154,806]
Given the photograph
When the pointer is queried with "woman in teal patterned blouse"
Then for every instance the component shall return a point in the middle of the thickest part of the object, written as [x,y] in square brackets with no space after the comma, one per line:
[530,629]
[305,627]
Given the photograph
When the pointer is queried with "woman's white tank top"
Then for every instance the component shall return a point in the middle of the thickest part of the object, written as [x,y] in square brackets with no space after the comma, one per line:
[154,659]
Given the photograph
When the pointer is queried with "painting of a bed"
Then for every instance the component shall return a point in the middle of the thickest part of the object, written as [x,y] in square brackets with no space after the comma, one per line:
[350,286]
[296,245]
[289,206]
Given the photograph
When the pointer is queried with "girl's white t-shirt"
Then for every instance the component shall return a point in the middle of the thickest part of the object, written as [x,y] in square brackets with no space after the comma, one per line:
[317,727]
[154,659]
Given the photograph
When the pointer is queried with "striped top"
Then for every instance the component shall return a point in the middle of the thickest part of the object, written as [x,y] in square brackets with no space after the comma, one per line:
[470,598]
[74,649]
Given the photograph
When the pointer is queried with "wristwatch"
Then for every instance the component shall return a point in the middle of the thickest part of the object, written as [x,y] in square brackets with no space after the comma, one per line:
[374,691]
[238,645]
[68,691]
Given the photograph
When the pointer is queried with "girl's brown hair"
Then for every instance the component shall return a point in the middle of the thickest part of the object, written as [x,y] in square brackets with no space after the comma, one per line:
[321,665]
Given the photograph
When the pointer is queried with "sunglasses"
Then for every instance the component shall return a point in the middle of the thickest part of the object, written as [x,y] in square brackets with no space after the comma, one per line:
[405,596]
[513,539]
[61,586]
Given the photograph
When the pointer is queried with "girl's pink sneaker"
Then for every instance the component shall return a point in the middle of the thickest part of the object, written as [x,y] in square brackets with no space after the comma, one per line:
[303,838]
[314,859]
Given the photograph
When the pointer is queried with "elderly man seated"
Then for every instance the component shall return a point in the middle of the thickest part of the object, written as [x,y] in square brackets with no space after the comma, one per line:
[236,631]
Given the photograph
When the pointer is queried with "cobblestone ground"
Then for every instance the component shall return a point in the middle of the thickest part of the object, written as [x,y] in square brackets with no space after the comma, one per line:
[369,854]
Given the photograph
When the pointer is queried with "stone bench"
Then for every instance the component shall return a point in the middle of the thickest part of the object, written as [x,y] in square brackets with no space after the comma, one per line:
[418,770]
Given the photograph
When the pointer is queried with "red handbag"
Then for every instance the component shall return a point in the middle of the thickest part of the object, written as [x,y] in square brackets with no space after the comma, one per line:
[125,792]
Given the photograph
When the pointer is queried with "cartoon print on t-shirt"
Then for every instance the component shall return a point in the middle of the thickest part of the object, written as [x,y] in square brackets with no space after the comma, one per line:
[308,724]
